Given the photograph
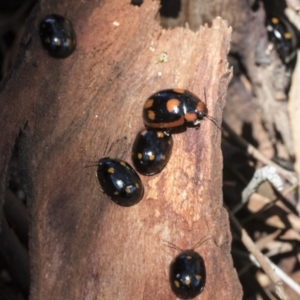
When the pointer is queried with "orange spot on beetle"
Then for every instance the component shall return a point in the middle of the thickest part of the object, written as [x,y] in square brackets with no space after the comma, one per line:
[160,134]
[172,104]
[128,189]
[275,20]
[151,157]
[201,107]
[190,117]
[179,91]
[148,103]
[111,170]
[288,35]
[188,280]
[151,115]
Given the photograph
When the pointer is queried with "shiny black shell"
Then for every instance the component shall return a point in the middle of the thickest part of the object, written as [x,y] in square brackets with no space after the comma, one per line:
[57,36]
[119,181]
[172,108]
[151,151]
[187,274]
[282,35]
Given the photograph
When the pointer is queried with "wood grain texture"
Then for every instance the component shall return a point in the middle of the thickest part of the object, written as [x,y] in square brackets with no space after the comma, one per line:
[84,246]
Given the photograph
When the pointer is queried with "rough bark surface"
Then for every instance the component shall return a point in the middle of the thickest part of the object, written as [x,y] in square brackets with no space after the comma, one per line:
[84,246]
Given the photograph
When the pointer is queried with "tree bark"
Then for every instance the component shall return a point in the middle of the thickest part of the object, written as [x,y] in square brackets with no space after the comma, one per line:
[84,246]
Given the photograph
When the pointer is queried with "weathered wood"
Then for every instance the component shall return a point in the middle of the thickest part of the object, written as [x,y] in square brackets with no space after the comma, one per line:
[83,246]
[265,72]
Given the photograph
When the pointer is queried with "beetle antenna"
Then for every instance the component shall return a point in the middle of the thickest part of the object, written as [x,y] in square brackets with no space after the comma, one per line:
[113,144]
[205,102]
[201,242]
[172,246]
[105,152]
[214,121]
[93,164]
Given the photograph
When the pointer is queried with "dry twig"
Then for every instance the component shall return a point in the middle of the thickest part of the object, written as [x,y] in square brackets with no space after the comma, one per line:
[263,261]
